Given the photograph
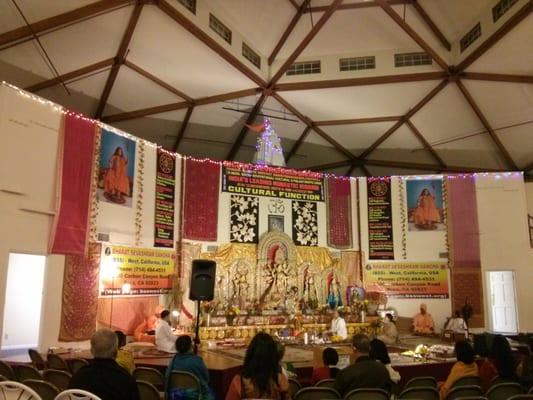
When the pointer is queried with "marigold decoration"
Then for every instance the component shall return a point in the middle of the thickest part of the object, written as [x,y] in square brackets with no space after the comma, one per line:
[403,217]
[94,208]
[140,194]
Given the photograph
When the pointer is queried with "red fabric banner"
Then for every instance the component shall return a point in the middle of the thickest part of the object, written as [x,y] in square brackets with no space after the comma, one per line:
[200,206]
[463,225]
[339,213]
[75,166]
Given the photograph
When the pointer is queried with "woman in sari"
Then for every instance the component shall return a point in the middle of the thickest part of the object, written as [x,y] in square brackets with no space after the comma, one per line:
[426,212]
[116,181]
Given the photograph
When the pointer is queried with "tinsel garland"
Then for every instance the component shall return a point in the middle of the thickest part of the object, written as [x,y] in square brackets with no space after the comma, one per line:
[140,192]
[403,217]
[94,209]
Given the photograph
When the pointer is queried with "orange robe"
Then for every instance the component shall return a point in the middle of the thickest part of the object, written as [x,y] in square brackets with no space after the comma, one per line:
[423,323]
[459,370]
[116,178]
[426,210]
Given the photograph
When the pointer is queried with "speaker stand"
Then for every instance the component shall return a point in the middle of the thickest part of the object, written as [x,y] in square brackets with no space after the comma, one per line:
[197,329]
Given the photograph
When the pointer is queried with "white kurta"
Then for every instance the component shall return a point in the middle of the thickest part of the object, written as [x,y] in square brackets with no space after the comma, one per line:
[165,340]
[338,327]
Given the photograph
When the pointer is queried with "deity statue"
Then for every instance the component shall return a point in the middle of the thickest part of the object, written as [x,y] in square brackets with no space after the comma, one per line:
[334,298]
[291,301]
[310,291]
[241,286]
[276,274]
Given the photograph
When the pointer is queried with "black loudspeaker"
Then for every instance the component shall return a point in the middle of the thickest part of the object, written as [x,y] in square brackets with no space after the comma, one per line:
[202,280]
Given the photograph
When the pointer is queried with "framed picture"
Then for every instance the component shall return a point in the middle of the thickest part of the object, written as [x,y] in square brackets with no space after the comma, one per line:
[276,223]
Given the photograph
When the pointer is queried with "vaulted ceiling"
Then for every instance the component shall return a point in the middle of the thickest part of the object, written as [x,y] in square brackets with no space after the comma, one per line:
[157,70]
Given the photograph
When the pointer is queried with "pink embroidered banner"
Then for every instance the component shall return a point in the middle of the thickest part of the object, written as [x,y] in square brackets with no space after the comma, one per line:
[200,208]
[75,166]
[339,213]
[463,228]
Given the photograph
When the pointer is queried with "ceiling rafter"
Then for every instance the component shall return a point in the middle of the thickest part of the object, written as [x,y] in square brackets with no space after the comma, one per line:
[48,24]
[210,42]
[506,27]
[121,55]
[288,31]
[157,81]
[528,167]
[143,112]
[358,120]
[297,144]
[244,130]
[431,24]
[306,40]
[425,143]
[71,75]
[294,3]
[408,115]
[353,6]
[364,81]
[183,128]
[483,76]
[484,121]
[412,33]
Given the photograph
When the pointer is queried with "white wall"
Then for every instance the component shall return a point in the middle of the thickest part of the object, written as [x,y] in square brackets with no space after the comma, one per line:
[529,197]
[22,313]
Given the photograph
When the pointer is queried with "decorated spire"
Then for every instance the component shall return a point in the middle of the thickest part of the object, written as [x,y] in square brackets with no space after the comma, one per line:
[268,147]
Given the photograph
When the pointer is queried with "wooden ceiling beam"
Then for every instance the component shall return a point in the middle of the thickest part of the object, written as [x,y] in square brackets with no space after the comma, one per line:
[209,42]
[121,55]
[183,127]
[358,120]
[425,143]
[157,81]
[506,27]
[143,112]
[408,115]
[411,32]
[505,153]
[307,39]
[354,6]
[294,4]
[431,24]
[44,25]
[71,75]
[244,130]
[528,167]
[288,31]
[366,81]
[483,76]
[297,144]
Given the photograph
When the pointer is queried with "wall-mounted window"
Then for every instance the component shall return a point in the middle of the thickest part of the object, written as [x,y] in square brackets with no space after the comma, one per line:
[251,55]
[189,5]
[412,59]
[357,63]
[222,30]
[471,37]
[501,8]
[304,68]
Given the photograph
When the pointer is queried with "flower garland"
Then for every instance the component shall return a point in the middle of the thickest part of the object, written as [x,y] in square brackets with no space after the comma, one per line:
[94,209]
[445,219]
[140,191]
[403,217]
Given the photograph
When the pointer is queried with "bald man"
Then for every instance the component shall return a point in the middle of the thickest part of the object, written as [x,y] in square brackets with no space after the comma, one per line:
[103,376]
[423,322]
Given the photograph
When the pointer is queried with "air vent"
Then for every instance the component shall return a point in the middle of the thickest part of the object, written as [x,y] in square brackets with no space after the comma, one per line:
[251,55]
[357,63]
[470,37]
[412,59]
[501,8]
[103,237]
[189,5]
[304,68]
[222,30]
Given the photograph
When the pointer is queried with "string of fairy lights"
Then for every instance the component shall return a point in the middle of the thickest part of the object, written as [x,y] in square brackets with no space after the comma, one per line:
[246,166]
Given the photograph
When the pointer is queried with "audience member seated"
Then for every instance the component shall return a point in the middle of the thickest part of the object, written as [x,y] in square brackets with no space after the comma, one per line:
[423,322]
[186,360]
[103,376]
[124,357]
[500,362]
[456,324]
[525,368]
[338,326]
[283,366]
[379,352]
[365,372]
[465,366]
[165,340]
[390,333]
[260,377]
[330,358]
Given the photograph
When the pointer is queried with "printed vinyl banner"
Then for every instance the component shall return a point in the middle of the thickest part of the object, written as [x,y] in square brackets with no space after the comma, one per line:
[406,280]
[135,271]
[380,240]
[273,182]
[165,183]
[425,206]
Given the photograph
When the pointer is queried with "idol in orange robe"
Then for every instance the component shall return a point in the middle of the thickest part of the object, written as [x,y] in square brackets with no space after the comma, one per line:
[426,212]
[116,181]
[423,322]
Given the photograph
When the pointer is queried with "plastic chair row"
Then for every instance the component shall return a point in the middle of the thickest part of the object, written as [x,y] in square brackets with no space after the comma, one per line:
[54,361]
[11,390]
[151,382]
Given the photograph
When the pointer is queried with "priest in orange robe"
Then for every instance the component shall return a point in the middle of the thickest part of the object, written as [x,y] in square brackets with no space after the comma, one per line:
[116,181]
[423,322]
[426,212]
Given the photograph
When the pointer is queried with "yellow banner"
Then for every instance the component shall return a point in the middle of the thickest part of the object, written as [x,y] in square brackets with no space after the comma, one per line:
[135,271]
[408,280]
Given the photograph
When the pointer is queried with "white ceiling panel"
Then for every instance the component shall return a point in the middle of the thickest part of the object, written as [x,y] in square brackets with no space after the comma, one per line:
[154,128]
[357,136]
[25,57]
[518,141]
[459,153]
